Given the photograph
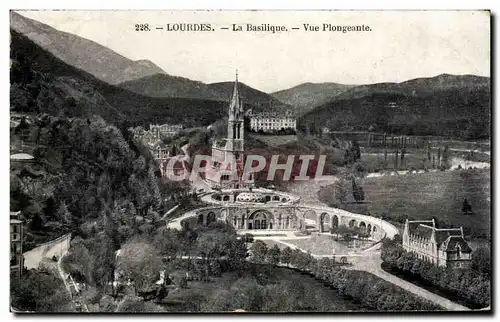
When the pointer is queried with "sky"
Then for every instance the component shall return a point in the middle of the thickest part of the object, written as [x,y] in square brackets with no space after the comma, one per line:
[401,45]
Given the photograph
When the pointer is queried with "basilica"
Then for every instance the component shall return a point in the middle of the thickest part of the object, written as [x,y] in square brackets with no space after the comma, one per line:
[228,159]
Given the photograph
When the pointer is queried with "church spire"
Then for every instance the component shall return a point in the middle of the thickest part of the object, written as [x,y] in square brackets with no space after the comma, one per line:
[235,108]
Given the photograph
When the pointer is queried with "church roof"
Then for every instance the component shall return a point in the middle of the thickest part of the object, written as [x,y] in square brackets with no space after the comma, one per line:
[272,115]
[423,231]
[442,235]
[452,242]
[421,228]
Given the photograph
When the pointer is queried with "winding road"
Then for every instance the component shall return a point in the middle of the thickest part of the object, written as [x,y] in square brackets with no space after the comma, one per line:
[57,247]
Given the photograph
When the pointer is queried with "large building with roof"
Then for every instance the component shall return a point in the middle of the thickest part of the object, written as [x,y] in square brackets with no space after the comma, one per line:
[440,246]
[272,122]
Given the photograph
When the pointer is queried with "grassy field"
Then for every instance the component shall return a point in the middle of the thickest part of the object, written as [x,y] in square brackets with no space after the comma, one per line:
[275,140]
[427,195]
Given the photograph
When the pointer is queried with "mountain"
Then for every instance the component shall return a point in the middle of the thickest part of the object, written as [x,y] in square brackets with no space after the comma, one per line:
[425,86]
[42,83]
[305,97]
[162,85]
[84,54]
[258,100]
[456,106]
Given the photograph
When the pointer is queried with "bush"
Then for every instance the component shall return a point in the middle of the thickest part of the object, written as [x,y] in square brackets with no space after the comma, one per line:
[183,283]
[371,291]
[470,285]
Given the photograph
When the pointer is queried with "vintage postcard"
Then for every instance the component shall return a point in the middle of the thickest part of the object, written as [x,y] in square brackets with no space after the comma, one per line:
[250,161]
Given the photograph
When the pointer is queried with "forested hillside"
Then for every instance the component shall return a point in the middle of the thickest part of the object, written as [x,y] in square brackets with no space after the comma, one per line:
[41,83]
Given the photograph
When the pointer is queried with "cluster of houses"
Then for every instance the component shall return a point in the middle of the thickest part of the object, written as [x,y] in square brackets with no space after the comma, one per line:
[162,152]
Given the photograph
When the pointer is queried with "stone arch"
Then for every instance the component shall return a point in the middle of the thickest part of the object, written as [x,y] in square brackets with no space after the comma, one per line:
[309,214]
[276,198]
[324,222]
[225,198]
[352,223]
[267,198]
[260,219]
[200,219]
[374,228]
[211,217]
[369,228]
[284,199]
[362,225]
[218,197]
[334,222]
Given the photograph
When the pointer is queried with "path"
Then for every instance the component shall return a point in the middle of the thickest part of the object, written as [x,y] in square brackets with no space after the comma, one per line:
[68,282]
[369,261]
[57,247]
[372,264]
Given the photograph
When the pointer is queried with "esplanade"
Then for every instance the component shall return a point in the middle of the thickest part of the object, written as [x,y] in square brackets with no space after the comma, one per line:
[265,210]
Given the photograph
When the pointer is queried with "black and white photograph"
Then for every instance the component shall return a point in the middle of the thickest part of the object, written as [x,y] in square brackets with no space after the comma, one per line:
[250,161]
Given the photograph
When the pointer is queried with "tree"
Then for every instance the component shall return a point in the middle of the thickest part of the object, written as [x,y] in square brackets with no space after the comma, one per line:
[247,238]
[286,255]
[340,190]
[356,151]
[429,150]
[403,152]
[357,191]
[63,213]
[445,162]
[396,159]
[259,250]
[352,153]
[439,158]
[38,291]
[466,208]
[141,261]
[481,260]
[358,170]
[385,157]
[273,255]
[312,129]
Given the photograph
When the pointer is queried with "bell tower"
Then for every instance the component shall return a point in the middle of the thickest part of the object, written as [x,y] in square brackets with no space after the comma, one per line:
[228,154]
[235,125]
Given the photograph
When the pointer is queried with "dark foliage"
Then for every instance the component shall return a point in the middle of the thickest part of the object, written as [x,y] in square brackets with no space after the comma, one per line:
[470,284]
